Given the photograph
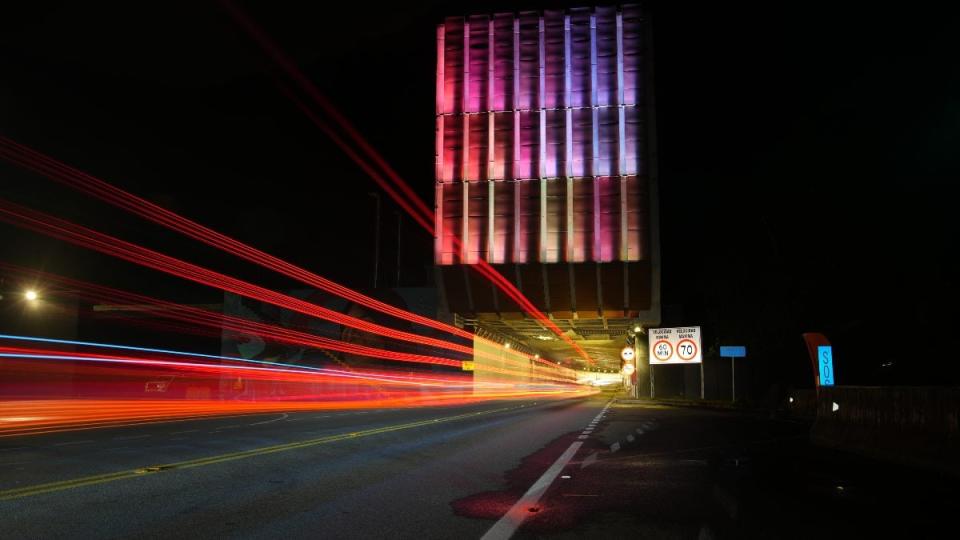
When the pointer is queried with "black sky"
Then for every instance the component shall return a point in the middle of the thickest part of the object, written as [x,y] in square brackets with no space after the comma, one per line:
[808,154]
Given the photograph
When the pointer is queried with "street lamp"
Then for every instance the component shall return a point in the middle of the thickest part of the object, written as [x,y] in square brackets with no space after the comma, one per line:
[31,295]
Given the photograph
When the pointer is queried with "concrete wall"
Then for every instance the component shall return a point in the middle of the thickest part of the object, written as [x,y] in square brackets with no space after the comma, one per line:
[913,425]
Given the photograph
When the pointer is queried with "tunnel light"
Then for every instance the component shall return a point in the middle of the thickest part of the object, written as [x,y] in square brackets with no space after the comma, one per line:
[791,399]
[637,329]
[506,345]
[31,295]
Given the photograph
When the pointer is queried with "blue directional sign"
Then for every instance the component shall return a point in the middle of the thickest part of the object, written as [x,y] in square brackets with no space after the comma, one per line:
[733,351]
[825,363]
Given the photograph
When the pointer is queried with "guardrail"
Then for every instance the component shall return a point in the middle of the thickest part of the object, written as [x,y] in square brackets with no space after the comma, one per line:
[912,425]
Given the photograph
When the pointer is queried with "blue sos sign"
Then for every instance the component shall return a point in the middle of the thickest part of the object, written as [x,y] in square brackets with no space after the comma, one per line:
[825,363]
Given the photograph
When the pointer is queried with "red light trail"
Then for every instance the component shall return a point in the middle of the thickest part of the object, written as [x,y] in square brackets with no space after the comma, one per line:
[218,322]
[400,190]
[88,238]
[60,172]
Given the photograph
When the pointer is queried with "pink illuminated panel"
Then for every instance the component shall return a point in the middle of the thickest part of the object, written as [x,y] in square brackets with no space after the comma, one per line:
[544,112]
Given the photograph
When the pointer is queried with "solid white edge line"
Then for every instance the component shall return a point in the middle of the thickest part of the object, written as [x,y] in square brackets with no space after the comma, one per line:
[511,521]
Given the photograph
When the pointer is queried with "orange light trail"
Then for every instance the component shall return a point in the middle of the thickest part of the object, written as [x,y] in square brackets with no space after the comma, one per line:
[111,389]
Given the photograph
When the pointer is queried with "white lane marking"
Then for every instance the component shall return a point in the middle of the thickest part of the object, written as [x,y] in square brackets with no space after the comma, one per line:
[71,443]
[130,438]
[233,426]
[508,524]
[591,459]
[583,437]
[630,438]
[186,431]
[614,447]
[282,416]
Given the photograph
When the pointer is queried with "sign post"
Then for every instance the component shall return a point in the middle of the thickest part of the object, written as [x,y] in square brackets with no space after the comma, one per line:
[675,346]
[732,352]
[701,383]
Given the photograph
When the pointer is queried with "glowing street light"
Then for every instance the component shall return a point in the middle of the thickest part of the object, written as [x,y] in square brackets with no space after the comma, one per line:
[506,345]
[31,295]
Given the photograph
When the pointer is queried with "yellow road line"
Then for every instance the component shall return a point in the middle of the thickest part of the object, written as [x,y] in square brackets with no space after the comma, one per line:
[141,472]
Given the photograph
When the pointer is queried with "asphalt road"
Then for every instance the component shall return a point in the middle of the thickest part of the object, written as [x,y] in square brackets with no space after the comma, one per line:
[453,472]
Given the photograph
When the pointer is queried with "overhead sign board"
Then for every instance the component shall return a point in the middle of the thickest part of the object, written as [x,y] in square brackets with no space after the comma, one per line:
[675,345]
[733,351]
[825,364]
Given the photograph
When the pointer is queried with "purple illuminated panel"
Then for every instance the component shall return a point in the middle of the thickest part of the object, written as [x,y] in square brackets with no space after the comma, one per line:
[540,126]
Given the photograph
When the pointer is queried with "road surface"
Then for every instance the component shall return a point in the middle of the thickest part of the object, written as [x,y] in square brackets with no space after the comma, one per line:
[635,471]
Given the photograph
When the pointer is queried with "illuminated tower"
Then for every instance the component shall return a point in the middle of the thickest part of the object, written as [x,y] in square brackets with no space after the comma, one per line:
[545,169]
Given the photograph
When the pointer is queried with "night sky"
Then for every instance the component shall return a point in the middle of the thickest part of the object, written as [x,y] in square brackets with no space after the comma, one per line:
[807,155]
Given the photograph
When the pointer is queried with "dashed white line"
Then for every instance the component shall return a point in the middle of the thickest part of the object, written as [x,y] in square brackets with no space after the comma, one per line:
[71,443]
[508,524]
[131,438]
[186,431]
[518,513]
[282,417]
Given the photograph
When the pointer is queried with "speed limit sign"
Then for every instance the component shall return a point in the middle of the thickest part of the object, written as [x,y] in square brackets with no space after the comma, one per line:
[675,345]
[687,350]
[662,350]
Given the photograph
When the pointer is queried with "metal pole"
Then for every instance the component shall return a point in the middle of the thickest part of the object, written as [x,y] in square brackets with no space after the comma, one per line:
[733,379]
[652,394]
[636,371]
[399,225]
[702,393]
[376,241]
